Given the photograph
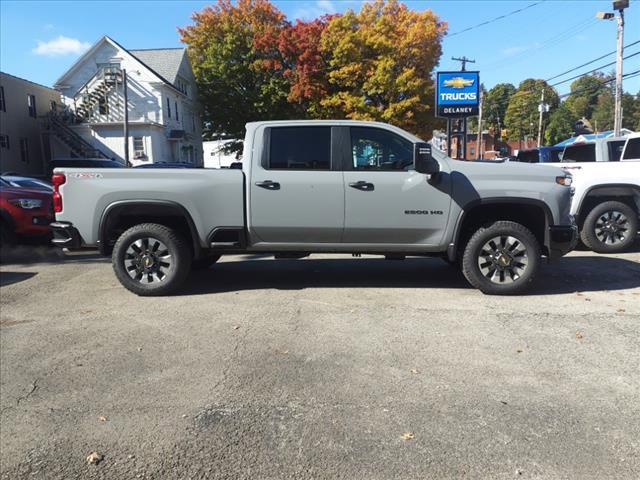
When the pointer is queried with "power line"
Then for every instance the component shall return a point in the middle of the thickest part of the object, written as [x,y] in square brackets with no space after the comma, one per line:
[595,69]
[603,82]
[495,19]
[590,62]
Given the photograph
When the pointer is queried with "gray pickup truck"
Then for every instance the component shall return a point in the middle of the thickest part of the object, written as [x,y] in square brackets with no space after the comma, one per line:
[320,187]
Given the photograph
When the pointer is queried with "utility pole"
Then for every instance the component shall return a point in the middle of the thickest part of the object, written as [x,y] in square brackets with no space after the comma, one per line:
[617,123]
[464,61]
[126,118]
[619,5]
[479,142]
[542,107]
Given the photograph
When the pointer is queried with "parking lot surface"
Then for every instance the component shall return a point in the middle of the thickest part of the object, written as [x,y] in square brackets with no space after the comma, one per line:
[326,367]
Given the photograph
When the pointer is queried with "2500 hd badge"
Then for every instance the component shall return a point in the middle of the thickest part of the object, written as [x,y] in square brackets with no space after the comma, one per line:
[423,212]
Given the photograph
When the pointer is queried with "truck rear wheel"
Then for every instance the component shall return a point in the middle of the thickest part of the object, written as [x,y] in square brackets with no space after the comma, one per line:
[610,227]
[151,259]
[501,259]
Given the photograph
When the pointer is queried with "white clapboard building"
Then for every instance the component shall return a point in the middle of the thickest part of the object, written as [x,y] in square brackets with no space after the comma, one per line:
[162,103]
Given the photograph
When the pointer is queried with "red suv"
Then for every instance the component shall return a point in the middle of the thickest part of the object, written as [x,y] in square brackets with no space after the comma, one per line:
[24,212]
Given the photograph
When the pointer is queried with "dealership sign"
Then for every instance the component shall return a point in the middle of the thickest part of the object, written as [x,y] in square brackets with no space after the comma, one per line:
[457,94]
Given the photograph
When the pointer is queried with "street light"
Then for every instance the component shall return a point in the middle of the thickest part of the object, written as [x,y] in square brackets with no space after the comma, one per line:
[619,5]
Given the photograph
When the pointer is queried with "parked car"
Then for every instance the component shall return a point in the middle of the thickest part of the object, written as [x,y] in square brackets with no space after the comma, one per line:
[27,182]
[321,186]
[599,150]
[24,212]
[540,155]
[83,163]
[606,202]
[167,165]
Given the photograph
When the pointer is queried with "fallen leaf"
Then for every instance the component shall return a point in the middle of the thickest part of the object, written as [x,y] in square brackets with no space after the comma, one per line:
[407,436]
[621,310]
[578,335]
[236,327]
[282,352]
[102,418]
[414,371]
[519,350]
[94,458]
[139,349]
[503,402]
[587,299]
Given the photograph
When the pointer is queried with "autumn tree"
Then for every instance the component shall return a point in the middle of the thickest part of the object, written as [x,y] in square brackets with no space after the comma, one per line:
[232,85]
[521,117]
[379,66]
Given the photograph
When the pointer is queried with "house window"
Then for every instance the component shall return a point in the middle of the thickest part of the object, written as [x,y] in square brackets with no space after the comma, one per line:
[176,105]
[4,141]
[54,106]
[182,86]
[3,106]
[138,147]
[31,102]
[193,122]
[168,108]
[103,106]
[24,150]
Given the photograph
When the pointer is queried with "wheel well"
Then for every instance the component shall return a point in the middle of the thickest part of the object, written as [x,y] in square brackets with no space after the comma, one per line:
[531,216]
[119,218]
[628,195]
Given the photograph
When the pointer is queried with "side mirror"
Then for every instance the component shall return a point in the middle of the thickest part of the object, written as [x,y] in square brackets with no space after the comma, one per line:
[423,161]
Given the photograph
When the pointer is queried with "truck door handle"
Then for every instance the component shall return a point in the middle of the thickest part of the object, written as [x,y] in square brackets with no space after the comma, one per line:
[362,185]
[269,185]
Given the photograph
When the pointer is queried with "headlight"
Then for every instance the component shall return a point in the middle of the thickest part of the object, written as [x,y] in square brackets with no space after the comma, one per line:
[27,203]
[565,180]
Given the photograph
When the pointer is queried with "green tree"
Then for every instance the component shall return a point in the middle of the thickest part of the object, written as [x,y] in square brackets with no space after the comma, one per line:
[495,104]
[584,95]
[560,125]
[521,117]
[629,106]
[603,113]
[232,86]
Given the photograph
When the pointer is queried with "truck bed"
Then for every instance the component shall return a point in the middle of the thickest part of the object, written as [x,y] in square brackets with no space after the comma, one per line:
[212,197]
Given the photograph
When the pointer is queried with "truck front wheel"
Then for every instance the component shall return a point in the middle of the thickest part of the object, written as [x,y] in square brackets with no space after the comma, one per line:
[501,259]
[151,259]
[610,227]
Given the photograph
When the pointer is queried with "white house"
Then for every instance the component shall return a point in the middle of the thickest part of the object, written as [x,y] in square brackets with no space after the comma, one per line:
[216,157]
[162,102]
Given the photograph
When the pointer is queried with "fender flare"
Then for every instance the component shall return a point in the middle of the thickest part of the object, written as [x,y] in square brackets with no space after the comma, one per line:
[453,246]
[115,207]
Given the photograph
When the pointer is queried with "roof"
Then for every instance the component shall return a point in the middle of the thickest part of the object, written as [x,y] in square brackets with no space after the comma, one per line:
[29,81]
[590,137]
[164,61]
[169,62]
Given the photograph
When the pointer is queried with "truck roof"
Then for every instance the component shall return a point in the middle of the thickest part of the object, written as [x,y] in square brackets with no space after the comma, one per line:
[345,123]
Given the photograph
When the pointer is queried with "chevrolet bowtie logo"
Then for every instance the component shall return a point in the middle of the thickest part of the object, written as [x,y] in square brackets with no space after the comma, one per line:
[458,82]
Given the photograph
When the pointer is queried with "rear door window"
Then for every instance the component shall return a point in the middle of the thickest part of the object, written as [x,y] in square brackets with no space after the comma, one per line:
[615,150]
[529,156]
[580,153]
[633,149]
[376,149]
[299,148]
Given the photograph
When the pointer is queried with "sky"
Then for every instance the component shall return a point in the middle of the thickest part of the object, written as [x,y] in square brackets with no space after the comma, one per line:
[39,40]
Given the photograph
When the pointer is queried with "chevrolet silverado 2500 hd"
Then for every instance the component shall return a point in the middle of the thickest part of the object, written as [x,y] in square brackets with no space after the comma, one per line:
[320,186]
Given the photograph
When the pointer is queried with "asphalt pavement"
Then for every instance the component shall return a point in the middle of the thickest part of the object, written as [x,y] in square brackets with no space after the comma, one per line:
[321,368]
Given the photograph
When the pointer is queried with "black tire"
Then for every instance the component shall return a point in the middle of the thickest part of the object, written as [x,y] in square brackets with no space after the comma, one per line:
[514,263]
[205,262]
[151,259]
[610,227]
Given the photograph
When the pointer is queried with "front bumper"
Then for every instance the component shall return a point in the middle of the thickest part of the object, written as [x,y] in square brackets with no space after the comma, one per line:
[562,239]
[65,235]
